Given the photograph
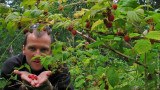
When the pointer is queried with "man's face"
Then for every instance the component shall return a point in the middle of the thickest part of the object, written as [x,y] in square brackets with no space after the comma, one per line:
[36,46]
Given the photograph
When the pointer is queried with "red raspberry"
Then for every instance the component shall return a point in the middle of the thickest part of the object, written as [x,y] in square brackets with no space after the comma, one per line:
[32,77]
[111,17]
[127,38]
[74,32]
[35,77]
[108,24]
[114,6]
[29,76]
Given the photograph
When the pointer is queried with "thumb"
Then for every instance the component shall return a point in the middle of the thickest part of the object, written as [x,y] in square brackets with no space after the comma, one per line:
[48,73]
[17,72]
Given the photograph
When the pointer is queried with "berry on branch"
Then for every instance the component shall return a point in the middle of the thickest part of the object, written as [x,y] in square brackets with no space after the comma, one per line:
[114,6]
[74,32]
[111,17]
[87,24]
[108,24]
[127,38]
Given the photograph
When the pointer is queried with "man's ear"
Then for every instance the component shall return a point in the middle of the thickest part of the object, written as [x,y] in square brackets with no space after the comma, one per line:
[23,49]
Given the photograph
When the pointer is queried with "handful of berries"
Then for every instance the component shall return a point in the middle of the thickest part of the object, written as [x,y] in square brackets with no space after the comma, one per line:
[32,77]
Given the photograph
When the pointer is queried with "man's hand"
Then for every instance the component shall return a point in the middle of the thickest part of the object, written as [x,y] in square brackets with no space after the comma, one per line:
[25,76]
[43,78]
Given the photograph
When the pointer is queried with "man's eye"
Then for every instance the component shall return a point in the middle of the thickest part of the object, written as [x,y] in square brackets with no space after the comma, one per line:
[32,48]
[44,50]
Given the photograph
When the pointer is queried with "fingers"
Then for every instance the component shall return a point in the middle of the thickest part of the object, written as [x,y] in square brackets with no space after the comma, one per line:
[49,73]
[17,72]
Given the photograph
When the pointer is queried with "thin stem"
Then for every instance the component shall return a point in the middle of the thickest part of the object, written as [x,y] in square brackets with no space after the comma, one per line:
[146,81]
[10,44]
[81,2]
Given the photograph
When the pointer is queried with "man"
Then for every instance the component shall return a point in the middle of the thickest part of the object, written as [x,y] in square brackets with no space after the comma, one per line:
[35,44]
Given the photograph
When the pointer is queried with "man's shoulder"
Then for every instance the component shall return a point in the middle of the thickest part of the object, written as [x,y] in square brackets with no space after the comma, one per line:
[16,59]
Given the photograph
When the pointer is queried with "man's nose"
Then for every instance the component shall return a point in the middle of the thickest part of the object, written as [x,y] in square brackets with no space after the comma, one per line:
[37,53]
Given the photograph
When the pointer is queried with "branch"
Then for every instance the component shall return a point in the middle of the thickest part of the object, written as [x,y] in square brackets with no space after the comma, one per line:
[81,2]
[119,53]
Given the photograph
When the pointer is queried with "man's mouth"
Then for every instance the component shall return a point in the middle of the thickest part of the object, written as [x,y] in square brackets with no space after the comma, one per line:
[36,61]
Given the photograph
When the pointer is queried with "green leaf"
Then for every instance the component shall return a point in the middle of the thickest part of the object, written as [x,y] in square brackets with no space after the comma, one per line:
[131,35]
[151,68]
[86,16]
[79,77]
[66,54]
[11,28]
[4,8]
[13,17]
[43,5]
[100,71]
[80,82]
[113,77]
[28,67]
[3,83]
[90,77]
[129,3]
[140,69]
[96,24]
[133,16]
[35,13]
[141,6]
[153,35]
[142,46]
[19,67]
[95,44]
[117,38]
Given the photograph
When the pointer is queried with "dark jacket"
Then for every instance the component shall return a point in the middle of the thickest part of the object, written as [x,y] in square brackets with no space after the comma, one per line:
[60,79]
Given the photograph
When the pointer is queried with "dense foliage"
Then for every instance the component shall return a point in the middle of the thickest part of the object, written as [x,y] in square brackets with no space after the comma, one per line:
[107,45]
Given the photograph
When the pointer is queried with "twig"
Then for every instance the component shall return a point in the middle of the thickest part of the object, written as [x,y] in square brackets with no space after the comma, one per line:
[81,2]
[69,42]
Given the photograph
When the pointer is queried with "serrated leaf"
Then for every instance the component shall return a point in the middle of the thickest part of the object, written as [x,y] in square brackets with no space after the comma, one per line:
[43,5]
[153,35]
[35,13]
[86,16]
[117,38]
[142,46]
[95,44]
[102,86]
[80,82]
[90,77]
[151,68]
[86,61]
[19,67]
[79,77]
[11,26]
[141,6]
[113,78]
[13,17]
[96,24]
[66,54]
[131,35]
[28,67]
[129,3]
[133,16]
[100,70]
[141,69]
[4,8]
[3,83]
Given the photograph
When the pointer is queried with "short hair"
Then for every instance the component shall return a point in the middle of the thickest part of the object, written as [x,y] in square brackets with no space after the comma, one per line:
[38,33]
